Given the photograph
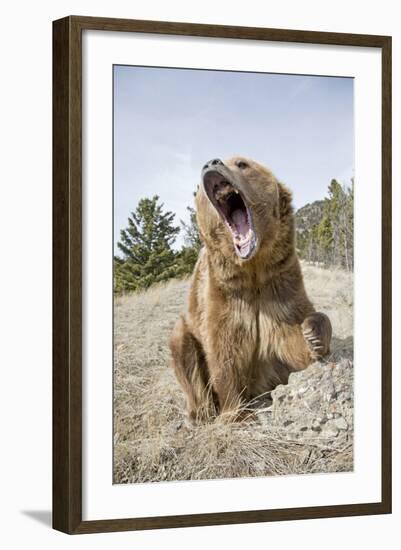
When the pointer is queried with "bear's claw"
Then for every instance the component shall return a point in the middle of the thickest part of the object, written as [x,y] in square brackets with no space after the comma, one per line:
[314,343]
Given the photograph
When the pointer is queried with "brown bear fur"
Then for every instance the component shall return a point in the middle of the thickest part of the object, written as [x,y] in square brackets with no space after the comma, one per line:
[248,322]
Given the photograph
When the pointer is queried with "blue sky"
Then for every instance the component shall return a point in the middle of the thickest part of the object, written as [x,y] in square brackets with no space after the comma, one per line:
[169,122]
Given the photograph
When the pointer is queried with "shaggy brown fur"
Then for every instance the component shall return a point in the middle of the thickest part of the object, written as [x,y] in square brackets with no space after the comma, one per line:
[249,322]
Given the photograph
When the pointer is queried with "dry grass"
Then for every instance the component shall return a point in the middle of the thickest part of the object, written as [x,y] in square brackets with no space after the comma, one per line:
[332,292]
[152,438]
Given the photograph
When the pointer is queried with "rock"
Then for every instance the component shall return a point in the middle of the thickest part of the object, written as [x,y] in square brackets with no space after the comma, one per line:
[316,406]
[340,423]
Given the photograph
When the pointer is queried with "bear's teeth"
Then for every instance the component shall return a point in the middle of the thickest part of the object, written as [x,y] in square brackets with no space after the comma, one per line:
[243,239]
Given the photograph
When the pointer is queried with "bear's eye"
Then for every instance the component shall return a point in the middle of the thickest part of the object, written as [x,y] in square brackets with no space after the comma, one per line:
[242,165]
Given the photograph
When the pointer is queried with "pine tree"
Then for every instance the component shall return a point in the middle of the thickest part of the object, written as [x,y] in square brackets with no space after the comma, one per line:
[340,211]
[119,277]
[324,232]
[188,255]
[329,240]
[350,224]
[146,245]
[191,232]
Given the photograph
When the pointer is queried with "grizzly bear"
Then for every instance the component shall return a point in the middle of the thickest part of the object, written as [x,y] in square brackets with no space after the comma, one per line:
[248,321]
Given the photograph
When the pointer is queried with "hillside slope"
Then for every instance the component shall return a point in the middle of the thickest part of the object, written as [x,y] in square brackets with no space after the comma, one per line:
[152,438]
[308,215]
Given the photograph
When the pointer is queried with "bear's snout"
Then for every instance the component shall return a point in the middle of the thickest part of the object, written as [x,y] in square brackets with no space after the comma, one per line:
[213,162]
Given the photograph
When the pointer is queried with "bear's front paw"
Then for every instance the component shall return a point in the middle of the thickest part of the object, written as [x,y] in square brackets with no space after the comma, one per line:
[313,338]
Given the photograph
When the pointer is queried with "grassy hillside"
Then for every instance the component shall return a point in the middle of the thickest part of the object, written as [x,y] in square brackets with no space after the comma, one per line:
[153,440]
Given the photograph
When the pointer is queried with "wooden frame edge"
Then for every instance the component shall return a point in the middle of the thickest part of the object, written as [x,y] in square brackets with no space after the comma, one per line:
[228,518]
[67,275]
[67,310]
[227,31]
[386,273]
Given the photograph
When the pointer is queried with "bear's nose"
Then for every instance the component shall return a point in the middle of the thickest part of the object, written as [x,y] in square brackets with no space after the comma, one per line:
[213,162]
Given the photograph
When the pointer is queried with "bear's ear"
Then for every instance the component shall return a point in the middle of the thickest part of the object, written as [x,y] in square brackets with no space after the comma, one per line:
[284,200]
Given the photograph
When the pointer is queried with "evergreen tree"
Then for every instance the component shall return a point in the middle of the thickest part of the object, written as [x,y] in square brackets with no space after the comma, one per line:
[191,232]
[324,231]
[146,245]
[119,277]
[340,211]
[186,260]
[188,255]
[328,239]
[349,229]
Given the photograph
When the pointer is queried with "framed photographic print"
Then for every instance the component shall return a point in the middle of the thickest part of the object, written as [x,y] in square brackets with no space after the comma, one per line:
[222,274]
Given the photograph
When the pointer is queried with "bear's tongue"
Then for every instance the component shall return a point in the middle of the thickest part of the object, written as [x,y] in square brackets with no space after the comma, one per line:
[240,221]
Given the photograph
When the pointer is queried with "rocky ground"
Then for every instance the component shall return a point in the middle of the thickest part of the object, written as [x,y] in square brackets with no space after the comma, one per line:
[305,426]
[316,405]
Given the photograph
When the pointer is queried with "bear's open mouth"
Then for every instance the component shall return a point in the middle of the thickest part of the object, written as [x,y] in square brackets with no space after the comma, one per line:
[231,205]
